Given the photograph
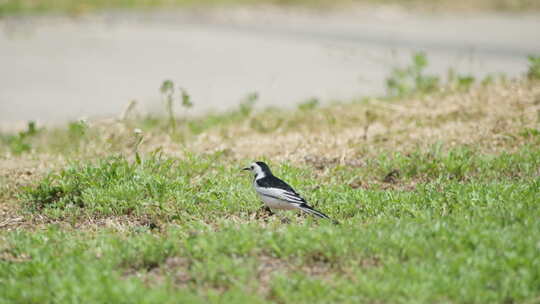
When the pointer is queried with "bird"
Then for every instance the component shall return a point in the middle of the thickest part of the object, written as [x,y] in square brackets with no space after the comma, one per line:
[277,194]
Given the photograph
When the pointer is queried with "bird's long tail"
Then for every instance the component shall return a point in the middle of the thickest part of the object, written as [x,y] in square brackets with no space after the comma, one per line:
[307,209]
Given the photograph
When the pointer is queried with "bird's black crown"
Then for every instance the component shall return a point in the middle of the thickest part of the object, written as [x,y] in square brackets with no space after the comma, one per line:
[264,167]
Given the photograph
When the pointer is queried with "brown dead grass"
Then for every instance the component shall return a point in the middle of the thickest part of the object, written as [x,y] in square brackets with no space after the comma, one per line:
[485,118]
[15,174]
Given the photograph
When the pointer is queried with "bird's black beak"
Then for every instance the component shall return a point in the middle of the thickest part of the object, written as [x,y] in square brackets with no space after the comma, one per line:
[246,169]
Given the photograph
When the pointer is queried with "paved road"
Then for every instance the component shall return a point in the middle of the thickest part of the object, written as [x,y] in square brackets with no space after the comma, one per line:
[54,69]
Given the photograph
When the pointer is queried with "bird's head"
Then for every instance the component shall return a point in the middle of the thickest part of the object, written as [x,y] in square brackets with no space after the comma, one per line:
[259,169]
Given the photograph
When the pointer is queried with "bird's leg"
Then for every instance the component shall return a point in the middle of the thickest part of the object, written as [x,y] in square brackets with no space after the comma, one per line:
[267,210]
[301,214]
[264,212]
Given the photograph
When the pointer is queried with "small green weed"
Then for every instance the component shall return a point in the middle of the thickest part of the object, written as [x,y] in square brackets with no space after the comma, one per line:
[247,105]
[412,79]
[534,68]
[169,91]
[530,133]
[461,82]
[77,129]
[19,143]
[309,104]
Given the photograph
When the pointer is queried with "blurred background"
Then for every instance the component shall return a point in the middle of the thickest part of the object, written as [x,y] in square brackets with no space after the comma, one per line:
[64,60]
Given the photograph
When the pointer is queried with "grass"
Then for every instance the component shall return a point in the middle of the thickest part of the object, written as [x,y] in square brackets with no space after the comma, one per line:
[451,242]
[170,189]
[437,193]
[12,7]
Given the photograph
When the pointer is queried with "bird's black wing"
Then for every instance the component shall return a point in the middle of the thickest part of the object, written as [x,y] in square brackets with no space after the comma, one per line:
[274,187]
[279,188]
[274,182]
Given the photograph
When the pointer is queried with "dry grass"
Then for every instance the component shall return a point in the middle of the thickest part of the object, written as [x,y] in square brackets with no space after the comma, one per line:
[486,118]
[13,176]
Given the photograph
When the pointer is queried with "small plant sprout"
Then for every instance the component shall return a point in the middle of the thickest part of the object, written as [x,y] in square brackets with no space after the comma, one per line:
[138,140]
[19,143]
[247,104]
[186,99]
[32,129]
[167,89]
[458,81]
[77,129]
[370,119]
[309,104]
[534,68]
[130,109]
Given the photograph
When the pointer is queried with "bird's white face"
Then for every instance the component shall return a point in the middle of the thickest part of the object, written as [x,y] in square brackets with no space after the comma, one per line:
[256,170]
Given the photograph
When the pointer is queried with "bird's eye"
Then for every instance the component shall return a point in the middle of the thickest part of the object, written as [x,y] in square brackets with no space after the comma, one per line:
[251,167]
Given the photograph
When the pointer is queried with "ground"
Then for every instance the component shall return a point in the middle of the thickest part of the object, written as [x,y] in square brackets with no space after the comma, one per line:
[436,193]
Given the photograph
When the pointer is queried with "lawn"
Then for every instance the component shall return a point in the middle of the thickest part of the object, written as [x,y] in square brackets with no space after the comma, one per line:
[437,194]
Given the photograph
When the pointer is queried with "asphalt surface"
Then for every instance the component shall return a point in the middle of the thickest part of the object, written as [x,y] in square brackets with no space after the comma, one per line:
[54,69]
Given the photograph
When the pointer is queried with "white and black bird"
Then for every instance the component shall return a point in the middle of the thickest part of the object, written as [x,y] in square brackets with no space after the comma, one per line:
[277,194]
